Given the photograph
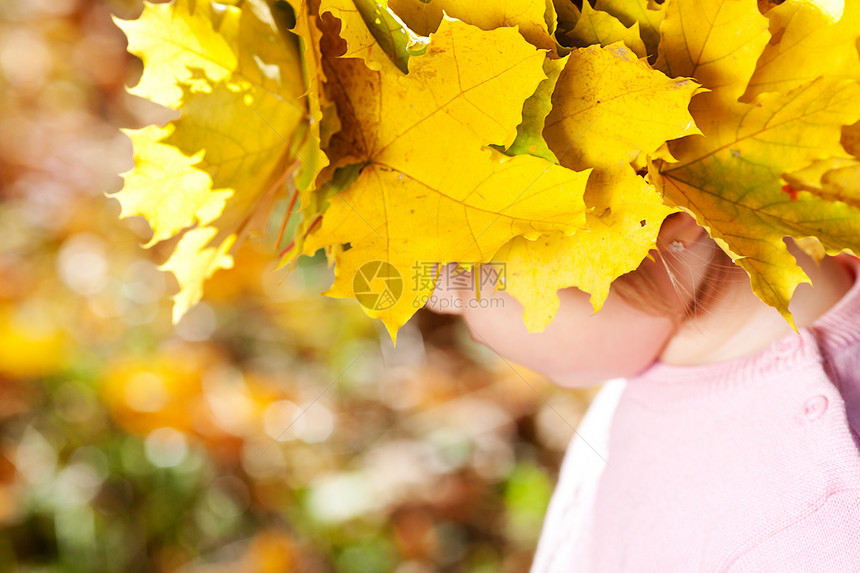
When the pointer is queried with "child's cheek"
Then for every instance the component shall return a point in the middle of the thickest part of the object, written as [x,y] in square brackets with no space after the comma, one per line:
[578,348]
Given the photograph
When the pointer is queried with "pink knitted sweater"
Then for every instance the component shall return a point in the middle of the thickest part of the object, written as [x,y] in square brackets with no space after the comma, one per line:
[750,465]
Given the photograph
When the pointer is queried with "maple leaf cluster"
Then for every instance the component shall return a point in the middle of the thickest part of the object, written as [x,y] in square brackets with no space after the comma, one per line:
[550,138]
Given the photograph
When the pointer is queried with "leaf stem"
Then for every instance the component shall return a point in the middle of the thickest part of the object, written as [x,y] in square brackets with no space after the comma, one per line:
[287,216]
[293,242]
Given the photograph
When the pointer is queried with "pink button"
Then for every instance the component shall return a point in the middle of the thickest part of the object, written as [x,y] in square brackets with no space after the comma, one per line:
[815,407]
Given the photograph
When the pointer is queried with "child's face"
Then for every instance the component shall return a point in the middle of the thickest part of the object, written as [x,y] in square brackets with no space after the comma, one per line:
[580,348]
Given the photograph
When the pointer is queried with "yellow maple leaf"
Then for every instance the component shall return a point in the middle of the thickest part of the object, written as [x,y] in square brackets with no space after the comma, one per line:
[430,191]
[646,13]
[314,159]
[239,129]
[731,180]
[609,107]
[717,42]
[458,81]
[602,28]
[165,187]
[398,142]
[193,262]
[175,39]
[842,184]
[834,179]
[624,218]
[534,18]
[599,119]
[810,44]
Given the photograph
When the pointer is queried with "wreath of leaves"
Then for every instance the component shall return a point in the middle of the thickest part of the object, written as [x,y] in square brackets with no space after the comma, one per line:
[549,137]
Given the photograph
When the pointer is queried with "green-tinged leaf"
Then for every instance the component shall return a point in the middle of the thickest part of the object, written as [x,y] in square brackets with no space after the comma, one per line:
[602,28]
[647,13]
[731,180]
[314,204]
[550,17]
[372,32]
[530,132]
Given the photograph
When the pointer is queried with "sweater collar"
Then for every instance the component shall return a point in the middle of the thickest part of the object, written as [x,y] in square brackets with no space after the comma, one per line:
[835,329]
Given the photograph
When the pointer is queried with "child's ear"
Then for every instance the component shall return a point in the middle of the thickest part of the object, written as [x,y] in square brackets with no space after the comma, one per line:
[679,231]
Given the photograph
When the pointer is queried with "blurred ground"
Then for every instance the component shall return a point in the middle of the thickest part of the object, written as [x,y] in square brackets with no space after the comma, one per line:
[271,430]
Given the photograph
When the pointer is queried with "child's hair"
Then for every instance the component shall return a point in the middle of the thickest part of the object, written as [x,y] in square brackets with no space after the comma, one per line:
[641,288]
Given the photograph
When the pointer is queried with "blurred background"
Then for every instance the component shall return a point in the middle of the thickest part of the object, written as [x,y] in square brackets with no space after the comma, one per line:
[271,430]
